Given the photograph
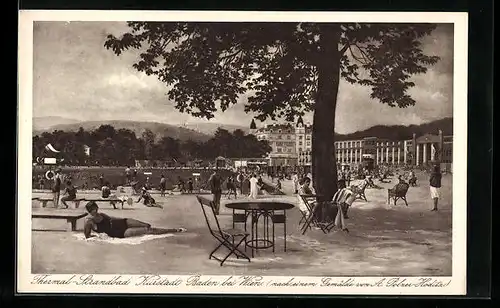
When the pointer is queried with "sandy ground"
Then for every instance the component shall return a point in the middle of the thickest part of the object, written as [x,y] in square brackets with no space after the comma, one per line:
[384,240]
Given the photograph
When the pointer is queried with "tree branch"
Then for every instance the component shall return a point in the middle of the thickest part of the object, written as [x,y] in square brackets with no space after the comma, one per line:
[362,61]
[365,56]
[344,49]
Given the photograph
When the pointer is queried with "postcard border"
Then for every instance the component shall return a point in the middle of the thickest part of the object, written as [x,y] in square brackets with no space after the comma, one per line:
[26,18]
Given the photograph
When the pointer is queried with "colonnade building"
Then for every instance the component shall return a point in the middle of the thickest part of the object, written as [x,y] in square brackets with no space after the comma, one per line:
[292,145]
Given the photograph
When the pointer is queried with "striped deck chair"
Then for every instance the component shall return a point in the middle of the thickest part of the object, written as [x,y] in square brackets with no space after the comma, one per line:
[343,199]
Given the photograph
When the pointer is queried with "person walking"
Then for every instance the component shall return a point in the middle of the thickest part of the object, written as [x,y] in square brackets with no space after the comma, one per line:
[435,186]
[215,183]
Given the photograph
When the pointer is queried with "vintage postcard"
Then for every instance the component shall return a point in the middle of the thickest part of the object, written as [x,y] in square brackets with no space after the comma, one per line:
[174,152]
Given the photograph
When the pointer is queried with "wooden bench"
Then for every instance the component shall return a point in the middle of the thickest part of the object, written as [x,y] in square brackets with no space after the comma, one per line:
[70,216]
[111,201]
[45,200]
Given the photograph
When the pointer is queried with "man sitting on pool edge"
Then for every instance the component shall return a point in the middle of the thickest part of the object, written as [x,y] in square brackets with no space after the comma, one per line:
[119,227]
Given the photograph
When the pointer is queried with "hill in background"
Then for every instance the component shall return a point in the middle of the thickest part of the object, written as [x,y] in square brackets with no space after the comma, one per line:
[400,132]
[204,131]
[159,129]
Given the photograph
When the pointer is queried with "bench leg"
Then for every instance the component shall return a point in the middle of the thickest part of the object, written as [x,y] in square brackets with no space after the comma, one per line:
[44,203]
[77,204]
[72,225]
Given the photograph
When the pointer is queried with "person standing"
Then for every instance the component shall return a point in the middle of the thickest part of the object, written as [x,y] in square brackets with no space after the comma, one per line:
[239,179]
[41,182]
[254,187]
[215,183]
[295,180]
[190,186]
[231,188]
[128,174]
[56,187]
[163,185]
[435,186]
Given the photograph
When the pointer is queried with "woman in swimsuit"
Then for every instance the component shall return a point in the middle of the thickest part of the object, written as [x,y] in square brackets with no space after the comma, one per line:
[119,227]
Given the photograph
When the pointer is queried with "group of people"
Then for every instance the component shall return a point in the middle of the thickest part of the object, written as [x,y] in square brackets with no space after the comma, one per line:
[345,195]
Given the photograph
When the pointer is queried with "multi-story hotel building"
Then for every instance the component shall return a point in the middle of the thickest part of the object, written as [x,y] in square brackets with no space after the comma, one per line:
[292,145]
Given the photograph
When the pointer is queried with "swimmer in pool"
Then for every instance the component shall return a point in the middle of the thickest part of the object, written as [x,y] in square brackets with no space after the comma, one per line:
[118,227]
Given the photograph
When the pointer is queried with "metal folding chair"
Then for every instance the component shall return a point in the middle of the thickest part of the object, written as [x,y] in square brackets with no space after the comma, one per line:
[227,238]
[311,217]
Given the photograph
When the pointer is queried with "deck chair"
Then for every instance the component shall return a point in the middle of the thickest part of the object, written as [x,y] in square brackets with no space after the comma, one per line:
[309,216]
[398,192]
[229,238]
[360,190]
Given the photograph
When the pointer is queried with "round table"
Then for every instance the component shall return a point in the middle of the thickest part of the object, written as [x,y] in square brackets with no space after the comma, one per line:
[260,209]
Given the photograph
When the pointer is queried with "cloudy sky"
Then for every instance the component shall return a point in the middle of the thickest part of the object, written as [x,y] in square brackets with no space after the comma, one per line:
[76,77]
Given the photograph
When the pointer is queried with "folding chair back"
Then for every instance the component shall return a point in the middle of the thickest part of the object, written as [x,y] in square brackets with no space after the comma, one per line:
[310,217]
[226,238]
[207,207]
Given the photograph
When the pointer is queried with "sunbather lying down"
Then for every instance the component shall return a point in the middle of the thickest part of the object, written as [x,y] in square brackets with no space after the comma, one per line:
[118,227]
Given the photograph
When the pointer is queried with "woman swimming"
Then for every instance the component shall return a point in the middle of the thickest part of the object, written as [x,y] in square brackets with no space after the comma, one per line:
[119,227]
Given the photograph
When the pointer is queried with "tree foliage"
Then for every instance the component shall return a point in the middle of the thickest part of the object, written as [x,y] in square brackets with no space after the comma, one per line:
[210,64]
[121,147]
[285,69]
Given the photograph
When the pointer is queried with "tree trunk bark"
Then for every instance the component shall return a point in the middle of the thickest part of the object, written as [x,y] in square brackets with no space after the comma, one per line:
[323,159]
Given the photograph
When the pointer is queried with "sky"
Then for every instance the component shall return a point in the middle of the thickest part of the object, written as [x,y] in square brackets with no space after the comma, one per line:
[76,77]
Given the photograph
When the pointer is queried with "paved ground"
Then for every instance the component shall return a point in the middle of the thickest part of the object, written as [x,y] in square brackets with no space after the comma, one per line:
[383,240]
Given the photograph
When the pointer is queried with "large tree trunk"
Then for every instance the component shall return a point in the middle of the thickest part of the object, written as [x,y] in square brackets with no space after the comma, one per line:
[323,159]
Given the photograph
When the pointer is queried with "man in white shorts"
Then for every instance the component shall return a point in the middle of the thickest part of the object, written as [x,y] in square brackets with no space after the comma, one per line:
[435,186]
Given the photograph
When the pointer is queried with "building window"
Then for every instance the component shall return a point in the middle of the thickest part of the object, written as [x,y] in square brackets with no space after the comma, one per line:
[278,150]
[308,143]
[308,137]
[280,137]
[300,150]
[288,137]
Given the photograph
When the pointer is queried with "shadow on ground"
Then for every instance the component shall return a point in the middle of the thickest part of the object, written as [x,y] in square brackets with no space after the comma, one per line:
[384,240]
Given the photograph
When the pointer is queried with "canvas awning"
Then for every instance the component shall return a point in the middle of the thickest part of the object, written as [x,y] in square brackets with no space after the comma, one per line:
[49,147]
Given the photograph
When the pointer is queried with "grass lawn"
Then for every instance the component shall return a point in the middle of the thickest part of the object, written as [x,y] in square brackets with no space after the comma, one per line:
[384,240]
